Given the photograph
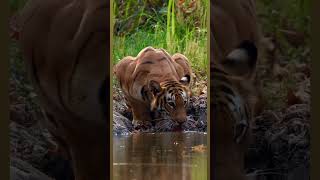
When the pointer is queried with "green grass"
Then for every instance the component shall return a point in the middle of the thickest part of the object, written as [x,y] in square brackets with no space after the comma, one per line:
[293,15]
[165,27]
[275,17]
[15,5]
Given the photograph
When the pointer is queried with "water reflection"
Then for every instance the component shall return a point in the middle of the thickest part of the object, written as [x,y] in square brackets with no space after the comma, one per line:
[160,156]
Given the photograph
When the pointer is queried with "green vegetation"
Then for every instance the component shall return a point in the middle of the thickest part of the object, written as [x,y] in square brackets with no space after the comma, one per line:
[288,23]
[15,5]
[170,25]
[290,13]
[17,70]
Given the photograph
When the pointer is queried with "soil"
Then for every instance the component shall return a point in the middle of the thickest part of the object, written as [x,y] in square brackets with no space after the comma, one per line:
[196,119]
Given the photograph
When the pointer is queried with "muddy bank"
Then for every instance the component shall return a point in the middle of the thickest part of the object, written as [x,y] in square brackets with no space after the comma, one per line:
[281,145]
[196,119]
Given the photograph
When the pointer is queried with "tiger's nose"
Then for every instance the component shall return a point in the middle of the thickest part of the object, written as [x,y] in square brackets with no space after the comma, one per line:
[180,121]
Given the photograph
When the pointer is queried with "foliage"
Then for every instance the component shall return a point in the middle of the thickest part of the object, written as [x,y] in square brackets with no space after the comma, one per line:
[16,4]
[279,17]
[288,23]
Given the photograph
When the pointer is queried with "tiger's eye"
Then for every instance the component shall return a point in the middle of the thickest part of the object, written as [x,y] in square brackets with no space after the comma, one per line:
[171,104]
[185,102]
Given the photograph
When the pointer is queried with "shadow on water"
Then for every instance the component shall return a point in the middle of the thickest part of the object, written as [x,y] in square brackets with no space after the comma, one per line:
[163,156]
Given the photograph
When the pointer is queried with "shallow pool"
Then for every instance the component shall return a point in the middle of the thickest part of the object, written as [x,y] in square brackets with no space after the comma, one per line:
[163,156]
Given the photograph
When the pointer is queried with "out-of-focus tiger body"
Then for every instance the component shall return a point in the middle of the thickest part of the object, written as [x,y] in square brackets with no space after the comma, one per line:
[155,81]
[232,21]
[235,98]
[65,47]
[233,102]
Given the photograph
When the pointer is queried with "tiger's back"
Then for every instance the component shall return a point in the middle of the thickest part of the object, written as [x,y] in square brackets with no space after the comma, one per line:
[232,21]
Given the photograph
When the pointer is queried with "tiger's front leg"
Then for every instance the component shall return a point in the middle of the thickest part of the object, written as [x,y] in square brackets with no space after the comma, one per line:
[141,116]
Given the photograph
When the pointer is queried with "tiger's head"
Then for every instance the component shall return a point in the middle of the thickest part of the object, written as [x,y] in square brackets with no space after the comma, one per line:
[171,98]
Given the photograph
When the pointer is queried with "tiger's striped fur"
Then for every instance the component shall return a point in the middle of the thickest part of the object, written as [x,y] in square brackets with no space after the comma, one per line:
[233,101]
[227,98]
[172,101]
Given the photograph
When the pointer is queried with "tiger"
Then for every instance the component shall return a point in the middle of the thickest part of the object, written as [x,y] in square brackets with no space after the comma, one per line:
[233,100]
[64,44]
[155,84]
[236,97]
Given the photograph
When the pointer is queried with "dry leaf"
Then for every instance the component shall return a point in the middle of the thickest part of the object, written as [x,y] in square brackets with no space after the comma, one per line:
[200,148]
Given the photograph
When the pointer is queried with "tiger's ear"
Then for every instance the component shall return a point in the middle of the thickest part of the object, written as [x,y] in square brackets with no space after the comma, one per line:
[185,80]
[242,60]
[154,87]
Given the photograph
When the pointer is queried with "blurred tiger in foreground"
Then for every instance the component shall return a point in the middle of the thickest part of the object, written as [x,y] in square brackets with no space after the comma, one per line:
[65,47]
[235,95]
[232,101]
[155,85]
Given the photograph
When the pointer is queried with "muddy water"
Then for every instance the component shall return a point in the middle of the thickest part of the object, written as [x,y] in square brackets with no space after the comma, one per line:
[160,156]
